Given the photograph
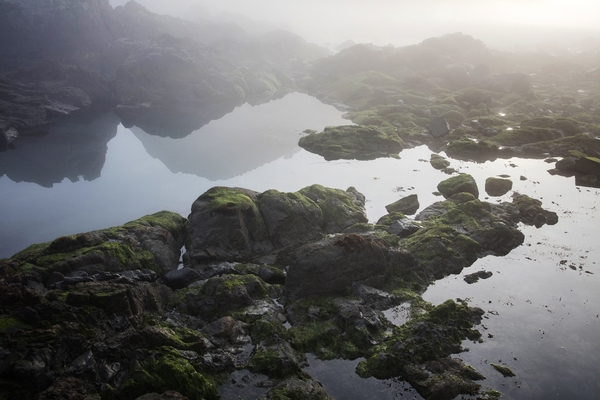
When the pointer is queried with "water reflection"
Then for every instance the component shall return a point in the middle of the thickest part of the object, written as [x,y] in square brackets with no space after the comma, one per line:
[244,140]
[74,149]
[177,122]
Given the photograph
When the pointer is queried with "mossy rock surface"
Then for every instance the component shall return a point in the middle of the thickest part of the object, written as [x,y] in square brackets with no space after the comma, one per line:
[497,186]
[151,242]
[352,142]
[457,184]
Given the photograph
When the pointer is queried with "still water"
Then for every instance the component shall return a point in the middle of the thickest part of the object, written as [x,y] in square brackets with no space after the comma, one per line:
[542,301]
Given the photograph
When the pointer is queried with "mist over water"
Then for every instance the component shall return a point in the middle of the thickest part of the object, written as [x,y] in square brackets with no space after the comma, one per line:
[505,24]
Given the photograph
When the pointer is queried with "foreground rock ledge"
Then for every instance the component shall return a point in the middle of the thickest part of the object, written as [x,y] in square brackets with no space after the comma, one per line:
[108,314]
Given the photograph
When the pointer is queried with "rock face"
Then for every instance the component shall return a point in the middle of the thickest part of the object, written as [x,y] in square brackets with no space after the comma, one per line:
[497,186]
[458,184]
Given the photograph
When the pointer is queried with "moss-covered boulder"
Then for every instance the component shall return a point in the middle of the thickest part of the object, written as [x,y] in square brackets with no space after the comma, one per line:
[340,209]
[290,217]
[457,184]
[235,224]
[497,186]
[226,224]
[439,162]
[352,142]
[151,242]
[407,205]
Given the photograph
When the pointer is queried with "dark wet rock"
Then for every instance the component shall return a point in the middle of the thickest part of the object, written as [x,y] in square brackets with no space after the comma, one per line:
[467,149]
[341,261]
[295,388]
[420,363]
[444,379]
[497,186]
[180,278]
[403,227]
[352,142]
[474,277]
[438,162]
[438,127]
[531,211]
[457,184]
[407,205]
[375,298]
[168,395]
[580,163]
[222,294]
[277,359]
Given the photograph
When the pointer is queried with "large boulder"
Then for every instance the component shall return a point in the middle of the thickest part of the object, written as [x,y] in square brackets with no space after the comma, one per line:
[333,265]
[234,224]
[497,186]
[457,184]
[226,224]
[407,205]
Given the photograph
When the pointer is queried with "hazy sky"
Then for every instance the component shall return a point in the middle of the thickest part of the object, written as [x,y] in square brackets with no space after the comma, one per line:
[403,21]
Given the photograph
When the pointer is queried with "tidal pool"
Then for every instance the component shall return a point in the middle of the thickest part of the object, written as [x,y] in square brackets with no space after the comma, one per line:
[542,302]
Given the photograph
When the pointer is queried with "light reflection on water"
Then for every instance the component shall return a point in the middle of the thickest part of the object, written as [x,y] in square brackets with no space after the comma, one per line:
[544,325]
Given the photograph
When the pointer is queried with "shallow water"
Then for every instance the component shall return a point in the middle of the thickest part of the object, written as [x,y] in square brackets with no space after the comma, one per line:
[542,315]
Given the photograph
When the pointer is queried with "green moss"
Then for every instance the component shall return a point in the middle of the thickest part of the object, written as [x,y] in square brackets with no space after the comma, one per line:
[505,371]
[520,136]
[465,149]
[429,336]
[352,142]
[273,363]
[9,324]
[224,198]
[492,393]
[168,220]
[168,372]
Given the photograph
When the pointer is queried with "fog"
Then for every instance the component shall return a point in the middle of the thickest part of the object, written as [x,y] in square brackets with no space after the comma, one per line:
[500,23]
